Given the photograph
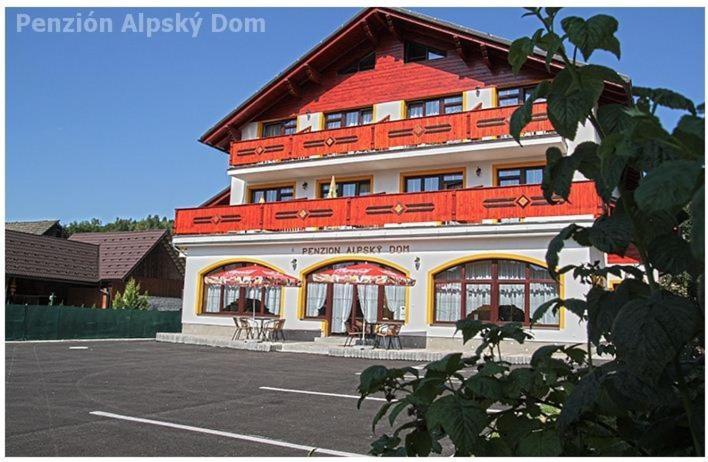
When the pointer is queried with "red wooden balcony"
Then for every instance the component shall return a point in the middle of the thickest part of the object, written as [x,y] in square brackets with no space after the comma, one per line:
[448,128]
[453,206]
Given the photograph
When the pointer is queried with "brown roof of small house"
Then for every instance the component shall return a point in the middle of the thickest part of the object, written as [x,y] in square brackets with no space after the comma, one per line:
[122,251]
[46,257]
[33,227]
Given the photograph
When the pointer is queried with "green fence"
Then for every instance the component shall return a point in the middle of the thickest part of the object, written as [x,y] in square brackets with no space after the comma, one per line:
[37,322]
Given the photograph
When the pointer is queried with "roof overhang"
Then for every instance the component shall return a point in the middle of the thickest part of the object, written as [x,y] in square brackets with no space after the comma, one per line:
[365,26]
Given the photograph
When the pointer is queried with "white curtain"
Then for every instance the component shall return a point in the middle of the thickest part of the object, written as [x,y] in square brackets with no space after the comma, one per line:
[511,302]
[448,301]
[213,299]
[479,301]
[272,300]
[540,293]
[343,294]
[231,296]
[253,299]
[369,301]
[396,301]
[509,269]
[316,296]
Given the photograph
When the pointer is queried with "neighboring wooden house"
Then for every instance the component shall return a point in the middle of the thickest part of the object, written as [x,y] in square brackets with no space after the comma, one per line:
[38,266]
[40,227]
[146,256]
[89,268]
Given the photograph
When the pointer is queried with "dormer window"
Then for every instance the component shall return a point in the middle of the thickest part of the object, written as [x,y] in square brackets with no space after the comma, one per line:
[348,118]
[419,52]
[436,106]
[279,128]
[364,64]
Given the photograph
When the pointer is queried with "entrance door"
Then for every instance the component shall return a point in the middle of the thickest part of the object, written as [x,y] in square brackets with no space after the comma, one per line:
[351,303]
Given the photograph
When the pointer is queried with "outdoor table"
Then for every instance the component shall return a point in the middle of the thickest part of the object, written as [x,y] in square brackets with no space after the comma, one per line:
[384,323]
[261,324]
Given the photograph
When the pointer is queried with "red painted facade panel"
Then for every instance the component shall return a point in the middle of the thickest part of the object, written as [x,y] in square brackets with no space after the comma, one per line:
[392,79]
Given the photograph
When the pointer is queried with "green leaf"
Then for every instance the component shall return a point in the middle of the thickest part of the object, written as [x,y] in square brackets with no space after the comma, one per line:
[669,253]
[448,365]
[596,71]
[485,387]
[612,233]
[523,114]
[557,175]
[597,33]
[666,98]
[698,223]
[418,443]
[586,159]
[519,51]
[670,186]
[690,131]
[582,397]
[614,153]
[553,304]
[551,43]
[540,443]
[648,333]
[461,420]
[570,102]
[557,244]
[613,118]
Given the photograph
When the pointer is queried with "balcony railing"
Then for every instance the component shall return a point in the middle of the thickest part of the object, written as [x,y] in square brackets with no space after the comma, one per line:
[376,210]
[448,128]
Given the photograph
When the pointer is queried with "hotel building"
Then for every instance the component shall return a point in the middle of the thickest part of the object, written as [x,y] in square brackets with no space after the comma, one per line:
[408,118]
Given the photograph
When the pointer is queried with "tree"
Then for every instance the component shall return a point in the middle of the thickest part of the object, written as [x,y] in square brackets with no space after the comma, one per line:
[131,298]
[95,225]
[648,397]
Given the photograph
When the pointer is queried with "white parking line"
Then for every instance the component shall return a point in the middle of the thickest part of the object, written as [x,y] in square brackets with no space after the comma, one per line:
[320,393]
[255,439]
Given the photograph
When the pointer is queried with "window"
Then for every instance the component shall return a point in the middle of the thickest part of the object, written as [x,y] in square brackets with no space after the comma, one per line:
[434,182]
[348,118]
[282,127]
[342,304]
[272,194]
[514,96]
[347,188]
[364,64]
[433,107]
[233,300]
[419,52]
[518,176]
[495,291]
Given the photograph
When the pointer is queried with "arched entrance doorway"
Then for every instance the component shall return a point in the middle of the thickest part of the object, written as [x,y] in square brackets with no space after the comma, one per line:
[341,305]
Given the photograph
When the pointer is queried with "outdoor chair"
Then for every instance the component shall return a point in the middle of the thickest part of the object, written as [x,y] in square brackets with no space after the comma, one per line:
[388,334]
[242,325]
[273,329]
[353,332]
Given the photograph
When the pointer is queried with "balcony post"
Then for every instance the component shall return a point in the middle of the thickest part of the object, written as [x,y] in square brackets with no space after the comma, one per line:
[261,216]
[348,212]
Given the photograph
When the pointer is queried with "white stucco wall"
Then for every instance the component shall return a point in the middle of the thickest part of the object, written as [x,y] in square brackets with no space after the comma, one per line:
[433,252]
[391,109]
[484,97]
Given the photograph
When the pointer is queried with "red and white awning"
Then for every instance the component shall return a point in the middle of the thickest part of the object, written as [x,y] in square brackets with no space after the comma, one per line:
[252,276]
[365,274]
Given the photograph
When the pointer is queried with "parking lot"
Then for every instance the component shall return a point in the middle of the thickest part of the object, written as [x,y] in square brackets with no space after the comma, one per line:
[143,398]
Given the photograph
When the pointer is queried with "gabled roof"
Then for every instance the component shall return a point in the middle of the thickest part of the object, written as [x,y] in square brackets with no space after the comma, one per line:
[46,257]
[39,227]
[121,252]
[364,26]
[220,198]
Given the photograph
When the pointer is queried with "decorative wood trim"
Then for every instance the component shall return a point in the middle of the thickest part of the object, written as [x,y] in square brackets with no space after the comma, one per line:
[369,33]
[313,74]
[293,89]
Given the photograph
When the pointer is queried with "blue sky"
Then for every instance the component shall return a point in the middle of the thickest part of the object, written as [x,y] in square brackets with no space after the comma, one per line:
[106,125]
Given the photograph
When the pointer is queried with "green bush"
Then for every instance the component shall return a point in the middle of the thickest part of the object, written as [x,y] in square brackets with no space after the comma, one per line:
[648,397]
[131,298]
